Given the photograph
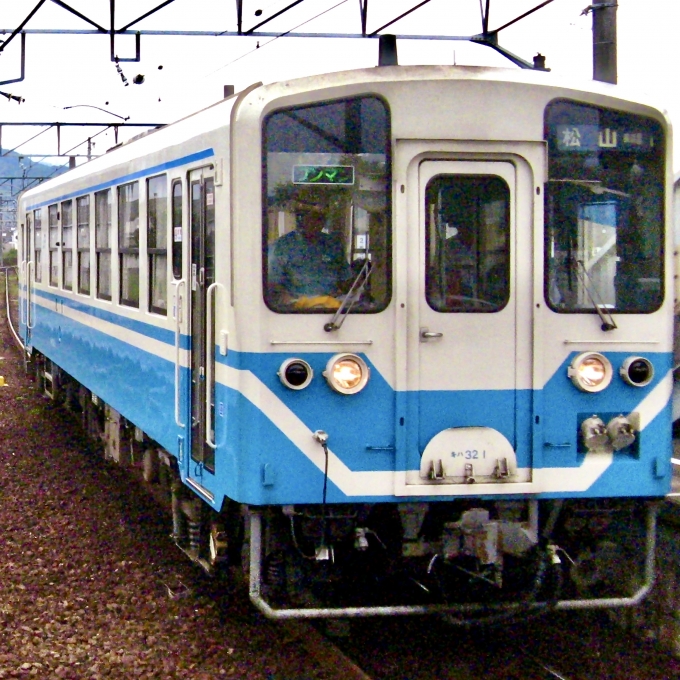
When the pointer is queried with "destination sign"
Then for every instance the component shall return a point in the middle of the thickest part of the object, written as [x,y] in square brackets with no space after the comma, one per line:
[575,138]
[323,174]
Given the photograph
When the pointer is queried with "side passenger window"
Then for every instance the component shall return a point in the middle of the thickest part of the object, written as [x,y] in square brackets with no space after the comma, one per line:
[177,234]
[102,224]
[157,243]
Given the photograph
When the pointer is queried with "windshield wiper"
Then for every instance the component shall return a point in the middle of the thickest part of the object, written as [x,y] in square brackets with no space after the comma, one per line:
[593,185]
[608,323]
[352,296]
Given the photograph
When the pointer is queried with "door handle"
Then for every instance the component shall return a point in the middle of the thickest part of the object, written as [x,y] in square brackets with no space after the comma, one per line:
[426,334]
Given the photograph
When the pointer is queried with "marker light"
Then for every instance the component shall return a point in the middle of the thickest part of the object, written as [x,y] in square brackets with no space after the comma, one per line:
[590,372]
[295,373]
[347,373]
[637,371]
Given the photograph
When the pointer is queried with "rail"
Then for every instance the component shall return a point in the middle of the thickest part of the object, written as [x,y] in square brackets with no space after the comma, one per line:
[9,310]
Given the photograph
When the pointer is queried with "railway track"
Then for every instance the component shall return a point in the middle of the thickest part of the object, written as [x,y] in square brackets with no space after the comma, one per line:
[573,646]
[91,585]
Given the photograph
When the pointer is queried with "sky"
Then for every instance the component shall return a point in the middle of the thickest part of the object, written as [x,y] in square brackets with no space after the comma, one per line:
[185,74]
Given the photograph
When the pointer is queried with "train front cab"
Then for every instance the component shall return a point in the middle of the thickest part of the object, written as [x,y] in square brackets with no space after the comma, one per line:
[513,323]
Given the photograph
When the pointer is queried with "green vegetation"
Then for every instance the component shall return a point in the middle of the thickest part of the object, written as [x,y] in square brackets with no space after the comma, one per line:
[9,259]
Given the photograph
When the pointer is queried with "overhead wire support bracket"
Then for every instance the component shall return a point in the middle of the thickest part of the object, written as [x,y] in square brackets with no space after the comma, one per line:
[490,38]
[63,5]
[486,37]
[363,9]
[273,16]
[113,32]
[401,16]
[23,67]
[20,27]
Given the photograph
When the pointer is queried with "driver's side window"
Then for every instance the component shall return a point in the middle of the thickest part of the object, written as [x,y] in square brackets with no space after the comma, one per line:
[467,243]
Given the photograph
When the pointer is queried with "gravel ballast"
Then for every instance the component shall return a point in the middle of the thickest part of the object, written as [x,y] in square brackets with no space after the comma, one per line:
[91,585]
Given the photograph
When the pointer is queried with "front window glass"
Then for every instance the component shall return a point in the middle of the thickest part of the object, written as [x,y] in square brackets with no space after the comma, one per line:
[604,210]
[467,237]
[326,226]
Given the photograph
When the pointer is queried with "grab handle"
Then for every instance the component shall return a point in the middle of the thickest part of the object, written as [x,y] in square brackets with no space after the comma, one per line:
[178,337]
[30,321]
[209,361]
[22,293]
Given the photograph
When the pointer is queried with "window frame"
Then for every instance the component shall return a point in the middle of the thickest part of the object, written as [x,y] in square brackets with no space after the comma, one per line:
[37,245]
[472,252]
[103,241]
[66,238]
[660,157]
[154,253]
[53,240]
[83,245]
[177,227]
[127,252]
[386,151]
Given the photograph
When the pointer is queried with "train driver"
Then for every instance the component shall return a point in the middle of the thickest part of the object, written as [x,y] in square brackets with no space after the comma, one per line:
[307,266]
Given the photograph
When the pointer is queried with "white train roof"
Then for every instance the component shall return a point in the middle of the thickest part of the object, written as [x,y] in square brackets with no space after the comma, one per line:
[262,97]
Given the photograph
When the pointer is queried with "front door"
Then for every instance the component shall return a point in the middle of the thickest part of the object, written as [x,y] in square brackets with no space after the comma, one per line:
[470,423]
[202,275]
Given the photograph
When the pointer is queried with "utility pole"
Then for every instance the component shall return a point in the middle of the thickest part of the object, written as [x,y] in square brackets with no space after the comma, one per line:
[604,40]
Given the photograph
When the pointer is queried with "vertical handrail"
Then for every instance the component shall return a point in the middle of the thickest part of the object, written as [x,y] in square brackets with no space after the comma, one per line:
[209,356]
[22,293]
[178,337]
[30,321]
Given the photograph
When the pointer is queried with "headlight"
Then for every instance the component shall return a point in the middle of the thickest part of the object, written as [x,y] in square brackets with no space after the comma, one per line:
[590,372]
[295,373]
[637,371]
[347,373]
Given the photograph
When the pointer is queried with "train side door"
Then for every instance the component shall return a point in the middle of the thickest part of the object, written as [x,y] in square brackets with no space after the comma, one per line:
[201,460]
[467,327]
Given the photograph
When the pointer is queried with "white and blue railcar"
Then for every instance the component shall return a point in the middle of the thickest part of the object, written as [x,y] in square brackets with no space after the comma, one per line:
[476,416]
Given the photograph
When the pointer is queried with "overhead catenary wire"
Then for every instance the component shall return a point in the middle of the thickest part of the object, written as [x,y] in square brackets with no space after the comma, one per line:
[57,167]
[281,35]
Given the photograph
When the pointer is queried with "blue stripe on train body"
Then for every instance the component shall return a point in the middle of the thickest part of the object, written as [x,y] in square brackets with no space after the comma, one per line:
[140,385]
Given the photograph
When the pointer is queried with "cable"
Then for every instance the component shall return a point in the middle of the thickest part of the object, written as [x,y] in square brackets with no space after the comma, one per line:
[269,42]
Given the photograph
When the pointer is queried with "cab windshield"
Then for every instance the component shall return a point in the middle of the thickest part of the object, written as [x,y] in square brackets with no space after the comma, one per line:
[604,210]
[326,223]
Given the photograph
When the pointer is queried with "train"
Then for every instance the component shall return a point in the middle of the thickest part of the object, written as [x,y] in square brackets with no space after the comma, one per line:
[390,341]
